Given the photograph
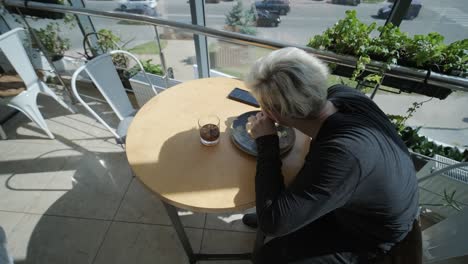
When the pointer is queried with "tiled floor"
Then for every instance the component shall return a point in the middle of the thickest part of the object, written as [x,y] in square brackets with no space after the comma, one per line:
[74,200]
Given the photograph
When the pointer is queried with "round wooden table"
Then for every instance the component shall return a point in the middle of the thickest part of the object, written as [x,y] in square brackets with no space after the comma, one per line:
[164,149]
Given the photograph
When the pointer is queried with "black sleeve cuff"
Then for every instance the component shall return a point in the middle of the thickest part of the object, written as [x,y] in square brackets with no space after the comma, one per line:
[268,146]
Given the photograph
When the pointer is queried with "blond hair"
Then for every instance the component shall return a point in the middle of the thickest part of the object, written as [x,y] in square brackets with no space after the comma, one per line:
[290,82]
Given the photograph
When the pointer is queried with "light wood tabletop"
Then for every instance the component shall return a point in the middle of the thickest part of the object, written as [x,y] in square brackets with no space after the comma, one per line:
[164,150]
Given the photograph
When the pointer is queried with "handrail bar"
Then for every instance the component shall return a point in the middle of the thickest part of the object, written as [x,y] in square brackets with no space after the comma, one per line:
[404,73]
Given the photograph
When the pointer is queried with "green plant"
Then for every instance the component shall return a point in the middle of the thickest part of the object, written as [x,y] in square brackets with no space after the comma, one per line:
[235,16]
[425,50]
[106,42]
[50,38]
[388,47]
[240,20]
[152,68]
[421,144]
[349,36]
[455,57]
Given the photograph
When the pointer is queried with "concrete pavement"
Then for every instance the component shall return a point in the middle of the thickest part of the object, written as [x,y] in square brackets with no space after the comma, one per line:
[445,120]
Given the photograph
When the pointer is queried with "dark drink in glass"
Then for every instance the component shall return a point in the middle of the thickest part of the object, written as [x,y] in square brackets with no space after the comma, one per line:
[209,130]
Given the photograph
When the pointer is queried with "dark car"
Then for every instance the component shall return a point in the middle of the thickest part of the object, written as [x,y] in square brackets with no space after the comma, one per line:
[413,10]
[346,2]
[265,18]
[274,6]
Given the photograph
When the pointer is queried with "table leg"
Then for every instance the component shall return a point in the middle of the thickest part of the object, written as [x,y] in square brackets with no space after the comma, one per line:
[174,216]
[193,258]
[259,240]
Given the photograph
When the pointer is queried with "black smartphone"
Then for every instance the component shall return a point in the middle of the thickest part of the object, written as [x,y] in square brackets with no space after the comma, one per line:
[243,96]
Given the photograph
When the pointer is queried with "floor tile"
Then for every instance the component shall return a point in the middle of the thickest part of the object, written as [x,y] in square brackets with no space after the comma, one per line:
[142,244]
[91,186]
[30,149]
[56,240]
[22,180]
[8,223]
[140,205]
[230,221]
[221,242]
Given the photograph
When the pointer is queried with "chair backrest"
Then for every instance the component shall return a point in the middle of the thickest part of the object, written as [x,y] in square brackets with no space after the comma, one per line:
[103,73]
[12,47]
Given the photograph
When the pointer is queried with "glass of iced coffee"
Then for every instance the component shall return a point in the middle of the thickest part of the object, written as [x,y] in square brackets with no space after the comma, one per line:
[209,130]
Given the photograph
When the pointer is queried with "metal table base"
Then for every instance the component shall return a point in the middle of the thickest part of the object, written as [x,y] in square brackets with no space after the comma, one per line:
[194,257]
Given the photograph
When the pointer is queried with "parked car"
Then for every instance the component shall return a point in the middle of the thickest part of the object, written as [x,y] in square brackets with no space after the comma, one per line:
[211,1]
[274,6]
[413,10]
[346,2]
[265,18]
[137,4]
[143,11]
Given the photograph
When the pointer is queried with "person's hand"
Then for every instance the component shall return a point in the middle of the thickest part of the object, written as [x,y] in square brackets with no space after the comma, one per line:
[260,125]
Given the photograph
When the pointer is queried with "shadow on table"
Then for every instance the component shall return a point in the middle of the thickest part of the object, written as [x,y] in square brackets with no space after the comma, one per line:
[187,160]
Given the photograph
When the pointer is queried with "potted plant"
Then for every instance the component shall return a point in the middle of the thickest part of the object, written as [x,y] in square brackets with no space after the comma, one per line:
[107,41]
[352,37]
[54,44]
[421,144]
[157,78]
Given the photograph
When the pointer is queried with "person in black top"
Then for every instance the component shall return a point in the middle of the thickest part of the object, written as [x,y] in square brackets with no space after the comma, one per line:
[356,195]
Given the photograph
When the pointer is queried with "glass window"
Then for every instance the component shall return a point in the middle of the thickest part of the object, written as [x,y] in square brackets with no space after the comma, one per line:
[447,17]
[289,21]
[140,39]
[61,38]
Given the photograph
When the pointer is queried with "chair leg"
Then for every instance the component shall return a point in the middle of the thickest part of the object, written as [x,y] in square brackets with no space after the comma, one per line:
[26,103]
[46,90]
[2,133]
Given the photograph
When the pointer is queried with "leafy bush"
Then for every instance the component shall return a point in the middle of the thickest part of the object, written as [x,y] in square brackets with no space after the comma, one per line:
[422,145]
[50,38]
[350,36]
[152,68]
[241,20]
[107,40]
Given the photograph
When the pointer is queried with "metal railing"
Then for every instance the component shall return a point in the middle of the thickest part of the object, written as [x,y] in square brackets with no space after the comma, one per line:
[399,72]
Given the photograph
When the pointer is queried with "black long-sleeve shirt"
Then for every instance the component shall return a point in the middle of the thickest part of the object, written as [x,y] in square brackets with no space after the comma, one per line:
[357,167]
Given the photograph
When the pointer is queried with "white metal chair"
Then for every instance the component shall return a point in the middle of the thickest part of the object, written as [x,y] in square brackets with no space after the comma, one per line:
[104,75]
[26,101]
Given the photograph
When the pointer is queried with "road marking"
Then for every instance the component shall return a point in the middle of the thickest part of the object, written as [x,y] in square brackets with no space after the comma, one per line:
[453,14]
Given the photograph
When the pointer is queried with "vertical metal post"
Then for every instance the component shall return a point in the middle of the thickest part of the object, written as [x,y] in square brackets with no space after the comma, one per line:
[399,10]
[86,25]
[47,56]
[179,228]
[4,27]
[374,92]
[162,58]
[197,10]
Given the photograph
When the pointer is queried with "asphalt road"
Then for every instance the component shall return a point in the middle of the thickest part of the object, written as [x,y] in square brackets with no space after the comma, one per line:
[309,17]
